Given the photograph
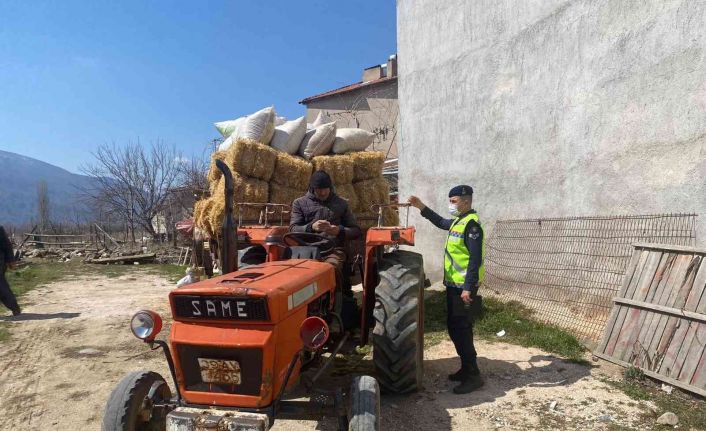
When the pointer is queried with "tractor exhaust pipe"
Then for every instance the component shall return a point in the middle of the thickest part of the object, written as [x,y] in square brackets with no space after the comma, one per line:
[229,237]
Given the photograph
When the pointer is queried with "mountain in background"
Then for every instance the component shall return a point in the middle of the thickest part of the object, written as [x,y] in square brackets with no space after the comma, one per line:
[19,177]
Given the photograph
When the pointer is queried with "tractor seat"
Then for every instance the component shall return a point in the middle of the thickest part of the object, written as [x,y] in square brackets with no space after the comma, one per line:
[301,252]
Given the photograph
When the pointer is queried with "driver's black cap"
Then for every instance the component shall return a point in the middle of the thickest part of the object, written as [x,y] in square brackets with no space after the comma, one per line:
[461,190]
[320,180]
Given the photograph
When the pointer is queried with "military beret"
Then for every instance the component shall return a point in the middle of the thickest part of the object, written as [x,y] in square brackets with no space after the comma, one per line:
[461,191]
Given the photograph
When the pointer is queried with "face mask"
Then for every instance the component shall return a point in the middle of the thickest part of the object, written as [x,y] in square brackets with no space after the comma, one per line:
[453,210]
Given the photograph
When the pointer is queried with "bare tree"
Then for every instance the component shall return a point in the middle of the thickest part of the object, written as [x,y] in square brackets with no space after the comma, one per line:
[43,206]
[193,175]
[133,181]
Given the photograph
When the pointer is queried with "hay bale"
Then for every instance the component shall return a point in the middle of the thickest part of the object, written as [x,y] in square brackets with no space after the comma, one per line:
[292,172]
[366,221]
[217,212]
[215,216]
[390,217]
[198,211]
[214,174]
[245,190]
[369,192]
[367,165]
[347,192]
[252,159]
[201,215]
[340,168]
[280,194]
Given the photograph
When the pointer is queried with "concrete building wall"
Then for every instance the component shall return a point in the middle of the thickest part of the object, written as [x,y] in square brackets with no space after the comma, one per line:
[552,108]
[373,108]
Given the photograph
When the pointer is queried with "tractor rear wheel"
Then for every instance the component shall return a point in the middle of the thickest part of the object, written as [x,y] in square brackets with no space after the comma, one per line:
[398,336]
[130,404]
[365,404]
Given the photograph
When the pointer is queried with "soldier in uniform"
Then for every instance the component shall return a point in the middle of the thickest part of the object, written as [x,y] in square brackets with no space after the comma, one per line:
[7,260]
[463,271]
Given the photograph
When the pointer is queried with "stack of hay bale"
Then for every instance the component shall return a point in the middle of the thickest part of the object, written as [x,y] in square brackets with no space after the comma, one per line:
[273,163]
[357,177]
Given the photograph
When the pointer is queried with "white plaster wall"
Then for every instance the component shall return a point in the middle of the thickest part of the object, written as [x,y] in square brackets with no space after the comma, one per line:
[553,108]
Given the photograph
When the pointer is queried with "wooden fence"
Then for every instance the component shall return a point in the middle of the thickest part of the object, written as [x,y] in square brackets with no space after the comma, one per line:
[567,270]
[658,321]
[95,239]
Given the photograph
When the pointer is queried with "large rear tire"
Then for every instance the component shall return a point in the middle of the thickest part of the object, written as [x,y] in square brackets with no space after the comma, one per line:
[365,404]
[398,336]
[130,404]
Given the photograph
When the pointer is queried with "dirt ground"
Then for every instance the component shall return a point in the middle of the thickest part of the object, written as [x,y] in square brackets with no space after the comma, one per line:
[73,345]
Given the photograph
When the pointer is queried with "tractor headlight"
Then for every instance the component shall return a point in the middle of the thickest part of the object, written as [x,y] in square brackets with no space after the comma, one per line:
[145,325]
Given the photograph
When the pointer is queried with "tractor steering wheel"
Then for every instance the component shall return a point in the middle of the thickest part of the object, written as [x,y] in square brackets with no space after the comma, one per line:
[322,242]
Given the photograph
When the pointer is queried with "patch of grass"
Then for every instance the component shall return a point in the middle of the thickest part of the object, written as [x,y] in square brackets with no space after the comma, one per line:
[633,389]
[37,274]
[434,318]
[633,373]
[520,328]
[4,333]
[690,410]
[355,362]
[41,273]
[173,273]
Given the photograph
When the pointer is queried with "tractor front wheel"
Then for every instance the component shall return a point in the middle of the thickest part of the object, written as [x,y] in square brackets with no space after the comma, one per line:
[130,406]
[365,404]
[398,336]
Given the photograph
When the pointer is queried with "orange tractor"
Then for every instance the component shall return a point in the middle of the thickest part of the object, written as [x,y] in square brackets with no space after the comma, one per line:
[240,341]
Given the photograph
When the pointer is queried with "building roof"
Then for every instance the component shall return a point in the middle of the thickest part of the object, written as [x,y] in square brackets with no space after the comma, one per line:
[347,88]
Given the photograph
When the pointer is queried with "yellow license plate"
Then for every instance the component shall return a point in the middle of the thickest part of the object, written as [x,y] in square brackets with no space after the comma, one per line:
[219,371]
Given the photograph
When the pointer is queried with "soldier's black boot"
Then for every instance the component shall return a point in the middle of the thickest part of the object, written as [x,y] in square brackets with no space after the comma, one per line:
[473,368]
[459,375]
[469,384]
[469,369]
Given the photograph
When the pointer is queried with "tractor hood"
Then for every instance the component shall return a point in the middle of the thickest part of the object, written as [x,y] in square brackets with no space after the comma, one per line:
[234,336]
[266,293]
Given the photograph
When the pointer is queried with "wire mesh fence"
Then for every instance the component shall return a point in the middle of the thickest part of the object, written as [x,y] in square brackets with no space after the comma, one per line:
[568,269]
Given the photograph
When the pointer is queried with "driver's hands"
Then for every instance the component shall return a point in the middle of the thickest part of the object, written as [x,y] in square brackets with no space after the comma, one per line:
[416,202]
[321,226]
[333,230]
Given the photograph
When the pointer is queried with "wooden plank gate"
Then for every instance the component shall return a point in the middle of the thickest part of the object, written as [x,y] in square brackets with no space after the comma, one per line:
[658,321]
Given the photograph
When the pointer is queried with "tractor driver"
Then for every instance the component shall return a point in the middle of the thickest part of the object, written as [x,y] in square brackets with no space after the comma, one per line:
[322,211]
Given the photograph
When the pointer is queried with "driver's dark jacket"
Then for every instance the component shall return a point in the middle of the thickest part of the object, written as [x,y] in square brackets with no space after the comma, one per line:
[308,209]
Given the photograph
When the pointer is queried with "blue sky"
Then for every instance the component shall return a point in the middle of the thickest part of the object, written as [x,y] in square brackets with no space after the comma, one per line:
[75,74]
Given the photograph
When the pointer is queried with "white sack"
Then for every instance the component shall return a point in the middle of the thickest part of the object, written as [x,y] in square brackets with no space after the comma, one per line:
[227,128]
[288,137]
[226,144]
[259,126]
[321,119]
[319,141]
[348,140]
